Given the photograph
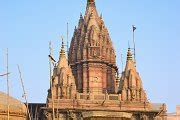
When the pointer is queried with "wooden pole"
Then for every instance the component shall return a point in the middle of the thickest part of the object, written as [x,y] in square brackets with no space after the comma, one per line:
[7,84]
[6,74]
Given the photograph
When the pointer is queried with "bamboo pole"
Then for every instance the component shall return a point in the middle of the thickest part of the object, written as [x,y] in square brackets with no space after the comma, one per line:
[50,66]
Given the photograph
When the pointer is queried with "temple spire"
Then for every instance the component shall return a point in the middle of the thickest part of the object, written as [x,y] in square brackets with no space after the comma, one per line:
[91,42]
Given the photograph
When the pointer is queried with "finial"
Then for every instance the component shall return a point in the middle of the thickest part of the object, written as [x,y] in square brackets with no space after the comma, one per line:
[129,46]
[91,2]
[62,52]
[129,54]
[101,16]
[81,15]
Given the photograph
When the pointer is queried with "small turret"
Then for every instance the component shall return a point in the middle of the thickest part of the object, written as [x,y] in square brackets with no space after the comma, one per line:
[63,81]
[130,83]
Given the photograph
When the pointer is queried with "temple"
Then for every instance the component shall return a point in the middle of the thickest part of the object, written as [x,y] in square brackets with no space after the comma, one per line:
[85,84]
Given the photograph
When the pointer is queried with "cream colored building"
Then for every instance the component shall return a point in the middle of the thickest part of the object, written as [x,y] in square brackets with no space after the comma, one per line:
[174,116]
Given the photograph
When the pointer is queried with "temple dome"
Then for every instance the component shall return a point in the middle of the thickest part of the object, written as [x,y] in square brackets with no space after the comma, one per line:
[16,108]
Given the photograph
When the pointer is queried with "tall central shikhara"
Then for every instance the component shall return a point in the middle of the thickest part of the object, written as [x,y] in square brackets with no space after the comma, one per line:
[91,54]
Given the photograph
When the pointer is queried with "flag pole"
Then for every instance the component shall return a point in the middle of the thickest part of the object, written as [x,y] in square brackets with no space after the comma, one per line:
[134,28]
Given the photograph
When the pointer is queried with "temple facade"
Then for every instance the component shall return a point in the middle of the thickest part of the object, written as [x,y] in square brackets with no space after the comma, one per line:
[85,84]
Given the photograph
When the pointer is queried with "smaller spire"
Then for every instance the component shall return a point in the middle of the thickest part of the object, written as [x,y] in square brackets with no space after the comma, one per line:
[129,54]
[62,52]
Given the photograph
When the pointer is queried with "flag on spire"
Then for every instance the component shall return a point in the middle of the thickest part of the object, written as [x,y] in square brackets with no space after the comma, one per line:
[134,28]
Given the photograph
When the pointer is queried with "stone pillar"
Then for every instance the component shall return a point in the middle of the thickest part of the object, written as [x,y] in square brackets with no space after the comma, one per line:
[104,78]
[85,78]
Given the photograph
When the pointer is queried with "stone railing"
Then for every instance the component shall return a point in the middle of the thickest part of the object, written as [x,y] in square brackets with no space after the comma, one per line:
[83,96]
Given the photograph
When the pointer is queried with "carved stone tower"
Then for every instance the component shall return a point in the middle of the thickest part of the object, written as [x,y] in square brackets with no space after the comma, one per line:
[131,86]
[91,55]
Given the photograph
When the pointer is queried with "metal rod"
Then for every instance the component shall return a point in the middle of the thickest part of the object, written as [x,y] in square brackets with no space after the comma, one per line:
[67,38]
[50,66]
[24,93]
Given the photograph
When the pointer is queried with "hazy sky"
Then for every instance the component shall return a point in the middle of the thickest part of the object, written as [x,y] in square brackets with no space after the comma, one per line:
[26,27]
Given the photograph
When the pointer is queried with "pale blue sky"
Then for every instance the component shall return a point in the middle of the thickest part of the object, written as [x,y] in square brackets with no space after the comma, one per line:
[26,27]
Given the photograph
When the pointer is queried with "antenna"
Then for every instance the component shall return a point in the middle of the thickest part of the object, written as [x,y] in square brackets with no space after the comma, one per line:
[50,70]
[24,93]
[134,28]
